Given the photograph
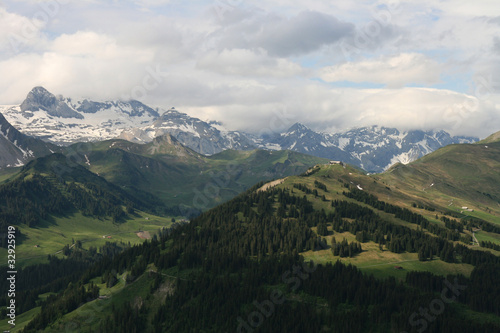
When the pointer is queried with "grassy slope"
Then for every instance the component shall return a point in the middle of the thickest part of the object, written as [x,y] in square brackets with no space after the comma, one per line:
[53,233]
[495,137]
[463,175]
[6,174]
[373,260]
[52,236]
[87,317]
[381,263]
[21,320]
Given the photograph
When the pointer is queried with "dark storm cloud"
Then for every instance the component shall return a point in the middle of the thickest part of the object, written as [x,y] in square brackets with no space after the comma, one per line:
[304,33]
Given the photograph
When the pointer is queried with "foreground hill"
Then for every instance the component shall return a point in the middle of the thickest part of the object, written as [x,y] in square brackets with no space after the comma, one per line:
[274,258]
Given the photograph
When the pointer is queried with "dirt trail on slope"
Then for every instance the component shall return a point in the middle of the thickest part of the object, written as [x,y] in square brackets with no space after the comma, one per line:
[144,234]
[266,186]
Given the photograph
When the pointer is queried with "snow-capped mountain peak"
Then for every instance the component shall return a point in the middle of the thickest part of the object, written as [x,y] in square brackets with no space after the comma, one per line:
[64,121]
[372,148]
[194,133]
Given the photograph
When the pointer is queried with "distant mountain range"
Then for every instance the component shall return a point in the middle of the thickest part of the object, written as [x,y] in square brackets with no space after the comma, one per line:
[63,121]
[373,149]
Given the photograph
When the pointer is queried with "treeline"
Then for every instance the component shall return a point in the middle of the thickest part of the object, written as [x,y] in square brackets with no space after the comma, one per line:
[27,200]
[233,256]
[55,275]
[125,319]
[55,306]
[307,190]
[40,279]
[345,249]
[250,226]
[320,185]
[92,200]
[470,223]
[452,224]
[395,238]
[402,213]
[490,245]
[480,292]
[473,222]
[399,239]
[227,289]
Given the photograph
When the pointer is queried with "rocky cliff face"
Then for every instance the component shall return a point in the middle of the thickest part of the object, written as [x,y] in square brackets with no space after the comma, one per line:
[16,149]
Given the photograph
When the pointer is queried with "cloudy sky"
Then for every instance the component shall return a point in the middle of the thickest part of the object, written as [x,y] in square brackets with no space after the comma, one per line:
[254,65]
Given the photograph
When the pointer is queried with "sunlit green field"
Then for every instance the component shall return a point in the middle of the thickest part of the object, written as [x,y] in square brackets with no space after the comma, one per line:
[382,263]
[51,237]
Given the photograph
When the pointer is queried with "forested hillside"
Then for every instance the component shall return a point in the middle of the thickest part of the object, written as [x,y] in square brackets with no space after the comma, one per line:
[241,267]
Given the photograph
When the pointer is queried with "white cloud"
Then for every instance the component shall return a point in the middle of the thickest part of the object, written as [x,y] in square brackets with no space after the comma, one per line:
[338,109]
[467,8]
[244,62]
[98,47]
[393,71]
[260,58]
[17,33]
[80,64]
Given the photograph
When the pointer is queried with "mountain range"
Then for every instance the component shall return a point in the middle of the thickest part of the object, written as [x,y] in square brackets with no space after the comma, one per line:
[63,121]
[373,149]
[330,249]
